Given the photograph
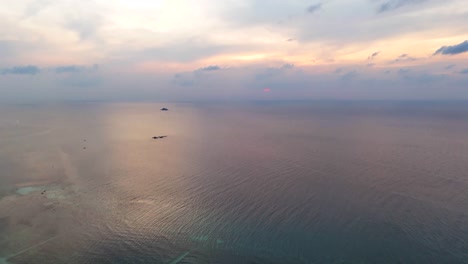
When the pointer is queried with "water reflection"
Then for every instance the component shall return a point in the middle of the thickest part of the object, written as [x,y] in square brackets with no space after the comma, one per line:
[86,183]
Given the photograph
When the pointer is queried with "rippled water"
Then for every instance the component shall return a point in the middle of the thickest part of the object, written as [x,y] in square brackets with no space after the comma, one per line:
[234,183]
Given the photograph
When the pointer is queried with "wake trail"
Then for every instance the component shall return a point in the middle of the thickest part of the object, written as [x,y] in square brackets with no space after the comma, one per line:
[180,258]
[31,247]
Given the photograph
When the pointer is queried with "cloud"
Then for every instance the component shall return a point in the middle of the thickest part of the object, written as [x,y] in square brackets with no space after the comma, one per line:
[404,57]
[453,50]
[349,76]
[86,26]
[362,27]
[451,66]
[270,13]
[210,68]
[84,29]
[273,72]
[339,70]
[404,71]
[178,51]
[36,7]
[67,69]
[184,80]
[314,8]
[464,71]
[196,77]
[426,78]
[83,81]
[390,5]
[373,55]
[32,69]
[80,76]
[22,70]
[75,68]
[6,48]
[418,77]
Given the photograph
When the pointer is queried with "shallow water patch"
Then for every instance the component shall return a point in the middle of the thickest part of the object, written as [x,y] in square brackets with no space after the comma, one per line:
[29,189]
[50,192]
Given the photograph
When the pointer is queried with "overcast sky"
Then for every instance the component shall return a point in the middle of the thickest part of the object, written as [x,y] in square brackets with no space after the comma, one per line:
[233,49]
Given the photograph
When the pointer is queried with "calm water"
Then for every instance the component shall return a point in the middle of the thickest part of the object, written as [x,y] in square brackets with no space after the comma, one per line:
[234,183]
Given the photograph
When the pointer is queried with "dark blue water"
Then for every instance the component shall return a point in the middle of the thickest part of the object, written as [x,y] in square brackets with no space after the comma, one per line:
[270,182]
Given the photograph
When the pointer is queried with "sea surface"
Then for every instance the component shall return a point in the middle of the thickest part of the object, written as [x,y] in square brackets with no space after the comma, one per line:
[271,182]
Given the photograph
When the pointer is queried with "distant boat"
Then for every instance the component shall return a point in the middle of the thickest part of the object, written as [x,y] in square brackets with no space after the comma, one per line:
[164,109]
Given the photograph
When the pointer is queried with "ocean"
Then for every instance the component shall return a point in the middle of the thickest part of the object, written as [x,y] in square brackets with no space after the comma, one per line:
[257,182]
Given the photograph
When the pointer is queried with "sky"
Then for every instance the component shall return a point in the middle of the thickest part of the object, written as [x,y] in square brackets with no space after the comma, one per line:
[183,50]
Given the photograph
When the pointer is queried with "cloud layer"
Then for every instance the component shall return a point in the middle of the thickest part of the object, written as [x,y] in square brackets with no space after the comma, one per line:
[314,8]
[180,50]
[453,50]
[389,5]
[21,70]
